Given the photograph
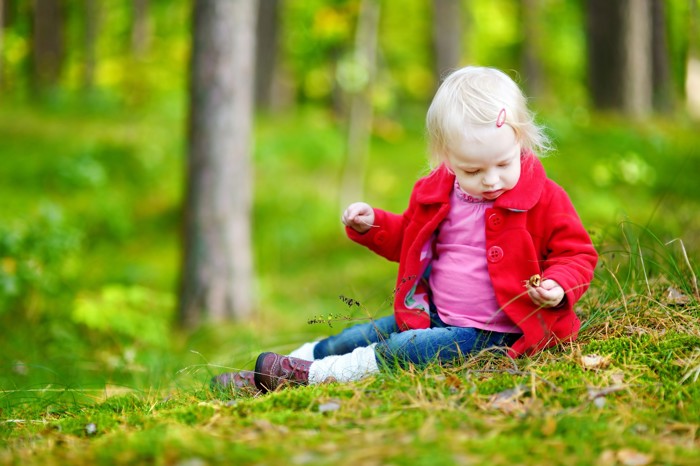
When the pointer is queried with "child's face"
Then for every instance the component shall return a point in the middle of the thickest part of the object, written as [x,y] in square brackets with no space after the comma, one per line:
[486,161]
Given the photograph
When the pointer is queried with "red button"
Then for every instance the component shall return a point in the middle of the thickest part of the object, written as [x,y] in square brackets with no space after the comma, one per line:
[495,221]
[494,254]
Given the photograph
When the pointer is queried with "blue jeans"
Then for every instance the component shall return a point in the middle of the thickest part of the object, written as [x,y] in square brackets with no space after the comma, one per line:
[440,342]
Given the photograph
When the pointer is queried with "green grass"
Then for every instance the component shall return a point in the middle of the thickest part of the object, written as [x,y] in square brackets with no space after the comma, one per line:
[431,416]
[92,373]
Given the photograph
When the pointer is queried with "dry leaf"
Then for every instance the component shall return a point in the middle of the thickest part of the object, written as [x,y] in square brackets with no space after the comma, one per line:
[509,401]
[594,393]
[676,296]
[629,457]
[595,361]
[507,405]
[618,378]
[453,383]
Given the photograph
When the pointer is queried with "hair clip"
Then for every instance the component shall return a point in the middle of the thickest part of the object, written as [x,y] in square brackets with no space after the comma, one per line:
[501,120]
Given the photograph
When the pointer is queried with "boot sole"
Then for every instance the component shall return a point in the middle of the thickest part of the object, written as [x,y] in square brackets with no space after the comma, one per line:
[259,374]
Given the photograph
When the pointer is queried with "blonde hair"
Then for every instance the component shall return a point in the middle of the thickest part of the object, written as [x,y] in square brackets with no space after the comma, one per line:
[481,96]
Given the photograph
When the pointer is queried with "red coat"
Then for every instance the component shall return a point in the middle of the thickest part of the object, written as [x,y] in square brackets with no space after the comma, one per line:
[531,229]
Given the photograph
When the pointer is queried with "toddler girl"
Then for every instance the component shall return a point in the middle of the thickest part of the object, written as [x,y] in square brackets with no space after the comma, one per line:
[491,252]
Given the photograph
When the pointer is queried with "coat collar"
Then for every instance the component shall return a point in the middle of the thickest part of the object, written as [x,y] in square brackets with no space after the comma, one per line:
[437,186]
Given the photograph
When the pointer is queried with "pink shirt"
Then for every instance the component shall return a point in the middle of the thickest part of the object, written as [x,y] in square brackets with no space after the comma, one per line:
[459,278]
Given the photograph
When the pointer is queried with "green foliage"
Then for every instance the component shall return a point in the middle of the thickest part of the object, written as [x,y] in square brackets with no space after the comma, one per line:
[135,314]
[37,260]
[316,40]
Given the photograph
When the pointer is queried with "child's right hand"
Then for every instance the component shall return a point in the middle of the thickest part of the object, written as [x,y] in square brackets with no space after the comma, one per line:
[359,216]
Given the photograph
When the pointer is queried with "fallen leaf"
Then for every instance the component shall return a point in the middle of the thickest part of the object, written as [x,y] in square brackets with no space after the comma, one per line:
[453,382]
[594,393]
[509,401]
[595,361]
[617,378]
[507,406]
[676,296]
[630,457]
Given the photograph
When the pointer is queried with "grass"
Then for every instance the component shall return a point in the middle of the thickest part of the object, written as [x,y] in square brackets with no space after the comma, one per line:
[90,376]
[642,403]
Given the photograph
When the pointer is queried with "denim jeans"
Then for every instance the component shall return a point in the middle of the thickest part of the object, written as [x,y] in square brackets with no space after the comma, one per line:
[440,342]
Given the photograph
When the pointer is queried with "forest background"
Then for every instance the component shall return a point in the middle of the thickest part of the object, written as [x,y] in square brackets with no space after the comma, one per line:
[93,159]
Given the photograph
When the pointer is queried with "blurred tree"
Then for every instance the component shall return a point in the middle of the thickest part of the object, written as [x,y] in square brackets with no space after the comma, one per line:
[603,19]
[661,67]
[92,25]
[266,56]
[531,48]
[447,36]
[140,28]
[48,46]
[357,78]
[628,61]
[637,63]
[217,273]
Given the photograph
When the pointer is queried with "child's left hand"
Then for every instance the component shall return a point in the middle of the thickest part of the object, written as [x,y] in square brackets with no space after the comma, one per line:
[547,294]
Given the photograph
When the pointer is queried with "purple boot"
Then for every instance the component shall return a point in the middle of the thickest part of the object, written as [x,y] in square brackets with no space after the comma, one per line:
[274,370]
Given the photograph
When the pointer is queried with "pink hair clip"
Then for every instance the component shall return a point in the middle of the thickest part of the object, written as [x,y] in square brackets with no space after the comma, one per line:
[501,120]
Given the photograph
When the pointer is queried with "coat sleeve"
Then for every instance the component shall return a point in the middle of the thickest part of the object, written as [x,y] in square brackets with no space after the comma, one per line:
[385,238]
[569,256]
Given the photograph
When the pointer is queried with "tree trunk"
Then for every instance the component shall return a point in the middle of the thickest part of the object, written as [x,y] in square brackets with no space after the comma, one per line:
[531,64]
[447,36]
[140,29]
[637,88]
[605,54]
[620,55]
[361,114]
[217,278]
[266,57]
[661,68]
[48,44]
[92,25]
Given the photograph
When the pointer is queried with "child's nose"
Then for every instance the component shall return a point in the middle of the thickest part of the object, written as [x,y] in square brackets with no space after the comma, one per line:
[490,179]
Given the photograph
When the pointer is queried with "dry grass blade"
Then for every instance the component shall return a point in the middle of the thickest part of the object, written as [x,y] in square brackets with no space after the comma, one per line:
[693,364]
[690,268]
